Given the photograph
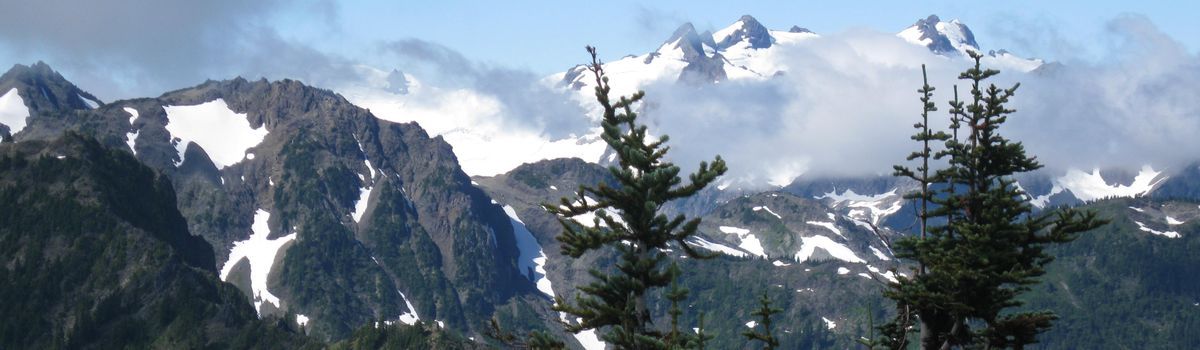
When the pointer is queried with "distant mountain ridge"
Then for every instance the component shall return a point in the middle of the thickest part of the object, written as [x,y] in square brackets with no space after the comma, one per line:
[361,219]
[747,49]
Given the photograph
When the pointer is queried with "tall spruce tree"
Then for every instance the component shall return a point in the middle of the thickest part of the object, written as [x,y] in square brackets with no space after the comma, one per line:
[921,175]
[764,313]
[989,247]
[628,219]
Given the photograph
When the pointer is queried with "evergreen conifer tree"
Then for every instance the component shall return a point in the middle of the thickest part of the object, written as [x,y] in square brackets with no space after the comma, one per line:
[922,176]
[764,313]
[990,247]
[700,341]
[628,219]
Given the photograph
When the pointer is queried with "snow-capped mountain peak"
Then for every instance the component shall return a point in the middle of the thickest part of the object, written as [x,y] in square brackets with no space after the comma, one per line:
[955,39]
[941,37]
[745,29]
[684,44]
[799,30]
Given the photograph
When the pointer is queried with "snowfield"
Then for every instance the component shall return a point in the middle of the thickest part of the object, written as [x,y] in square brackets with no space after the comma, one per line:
[1168,234]
[828,225]
[835,249]
[532,260]
[829,323]
[13,111]
[879,254]
[131,137]
[260,252]
[223,134]
[410,317]
[360,206]
[768,211]
[698,241]
[871,209]
[1091,187]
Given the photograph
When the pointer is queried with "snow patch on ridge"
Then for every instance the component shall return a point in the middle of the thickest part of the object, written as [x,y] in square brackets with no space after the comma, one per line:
[809,246]
[13,111]
[360,207]
[260,252]
[223,134]
[716,247]
[410,317]
[748,241]
[1168,234]
[1090,187]
[131,137]
[873,208]
[587,338]
[733,230]
[768,211]
[1041,201]
[829,323]
[532,260]
[828,225]
[879,254]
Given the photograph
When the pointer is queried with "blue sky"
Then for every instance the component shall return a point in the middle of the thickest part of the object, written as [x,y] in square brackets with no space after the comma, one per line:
[131,48]
[548,36]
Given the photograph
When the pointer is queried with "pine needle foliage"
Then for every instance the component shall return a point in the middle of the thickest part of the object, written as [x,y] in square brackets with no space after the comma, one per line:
[989,247]
[628,219]
[764,313]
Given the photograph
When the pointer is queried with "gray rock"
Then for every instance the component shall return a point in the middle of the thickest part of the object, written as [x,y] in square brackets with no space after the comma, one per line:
[751,31]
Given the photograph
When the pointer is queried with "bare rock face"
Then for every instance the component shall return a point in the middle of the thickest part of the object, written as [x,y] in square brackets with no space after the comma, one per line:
[386,225]
[939,43]
[750,31]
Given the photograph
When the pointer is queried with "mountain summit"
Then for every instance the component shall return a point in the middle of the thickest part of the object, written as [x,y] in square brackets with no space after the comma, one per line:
[941,37]
[745,29]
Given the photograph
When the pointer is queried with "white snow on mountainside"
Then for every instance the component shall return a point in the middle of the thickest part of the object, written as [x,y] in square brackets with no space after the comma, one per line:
[863,208]
[1091,186]
[260,252]
[954,37]
[13,111]
[838,251]
[532,261]
[131,137]
[223,134]
[360,206]
[761,54]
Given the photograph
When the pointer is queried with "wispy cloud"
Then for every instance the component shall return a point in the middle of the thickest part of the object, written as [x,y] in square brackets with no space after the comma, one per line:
[848,101]
[130,48]
[525,101]
[1137,107]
